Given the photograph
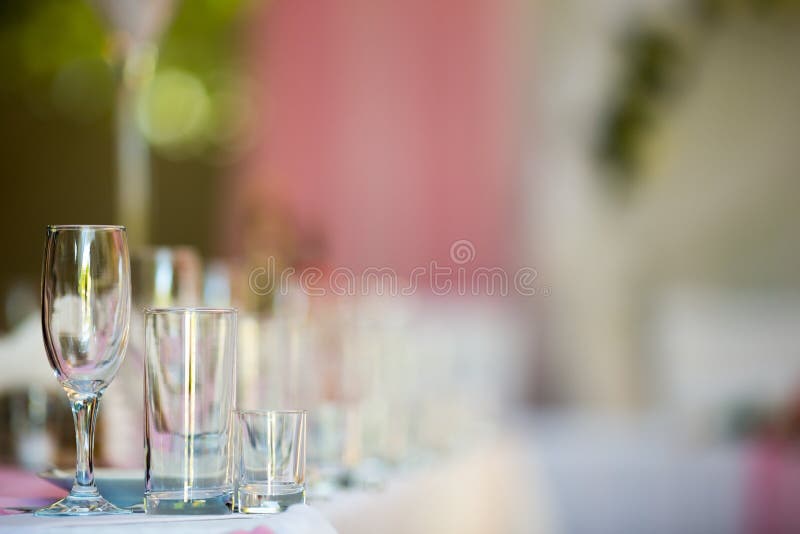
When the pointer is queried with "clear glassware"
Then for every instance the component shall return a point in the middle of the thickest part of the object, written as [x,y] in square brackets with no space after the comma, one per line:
[330,428]
[190,391]
[271,452]
[160,277]
[86,300]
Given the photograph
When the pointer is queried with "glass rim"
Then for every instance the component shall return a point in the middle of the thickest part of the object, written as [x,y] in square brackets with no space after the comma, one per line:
[86,227]
[249,411]
[209,310]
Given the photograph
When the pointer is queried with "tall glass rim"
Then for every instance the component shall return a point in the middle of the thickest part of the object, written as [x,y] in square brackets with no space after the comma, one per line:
[182,310]
[57,227]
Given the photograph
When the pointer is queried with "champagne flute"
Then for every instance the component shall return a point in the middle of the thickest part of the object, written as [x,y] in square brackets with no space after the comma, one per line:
[86,300]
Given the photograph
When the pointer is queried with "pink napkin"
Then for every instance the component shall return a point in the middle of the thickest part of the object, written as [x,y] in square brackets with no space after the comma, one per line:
[19,488]
[15,482]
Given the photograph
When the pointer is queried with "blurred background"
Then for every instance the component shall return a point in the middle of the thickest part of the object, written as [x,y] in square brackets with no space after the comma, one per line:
[552,245]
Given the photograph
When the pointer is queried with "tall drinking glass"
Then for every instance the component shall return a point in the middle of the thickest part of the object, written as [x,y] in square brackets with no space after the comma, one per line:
[190,387]
[86,292]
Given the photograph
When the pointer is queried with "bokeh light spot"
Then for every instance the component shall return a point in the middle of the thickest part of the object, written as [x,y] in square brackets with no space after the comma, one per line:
[174,110]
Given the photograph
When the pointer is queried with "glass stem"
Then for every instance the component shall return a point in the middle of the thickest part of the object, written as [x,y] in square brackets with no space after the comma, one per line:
[84,413]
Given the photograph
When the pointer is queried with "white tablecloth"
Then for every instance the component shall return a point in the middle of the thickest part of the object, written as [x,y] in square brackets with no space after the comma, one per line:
[492,489]
[299,519]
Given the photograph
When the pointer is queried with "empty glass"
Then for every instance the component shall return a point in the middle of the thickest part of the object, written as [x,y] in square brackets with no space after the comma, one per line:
[271,451]
[86,291]
[190,385]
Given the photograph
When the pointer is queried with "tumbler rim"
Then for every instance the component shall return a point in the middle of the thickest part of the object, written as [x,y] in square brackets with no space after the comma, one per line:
[209,310]
[249,411]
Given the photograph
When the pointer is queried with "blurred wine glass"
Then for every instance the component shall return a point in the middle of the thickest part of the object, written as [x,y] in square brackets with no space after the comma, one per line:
[135,28]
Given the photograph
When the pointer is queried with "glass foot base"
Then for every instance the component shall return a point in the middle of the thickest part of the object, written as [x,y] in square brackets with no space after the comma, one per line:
[71,505]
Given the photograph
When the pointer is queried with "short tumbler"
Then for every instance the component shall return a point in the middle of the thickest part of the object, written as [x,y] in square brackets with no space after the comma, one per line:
[190,370]
[271,460]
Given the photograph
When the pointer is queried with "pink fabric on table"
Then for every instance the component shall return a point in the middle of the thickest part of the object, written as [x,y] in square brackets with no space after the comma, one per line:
[21,488]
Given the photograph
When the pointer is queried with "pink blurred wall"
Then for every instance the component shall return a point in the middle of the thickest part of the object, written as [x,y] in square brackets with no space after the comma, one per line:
[383,128]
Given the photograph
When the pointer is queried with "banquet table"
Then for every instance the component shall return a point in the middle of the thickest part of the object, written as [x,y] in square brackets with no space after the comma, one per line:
[491,488]
[19,489]
[554,475]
